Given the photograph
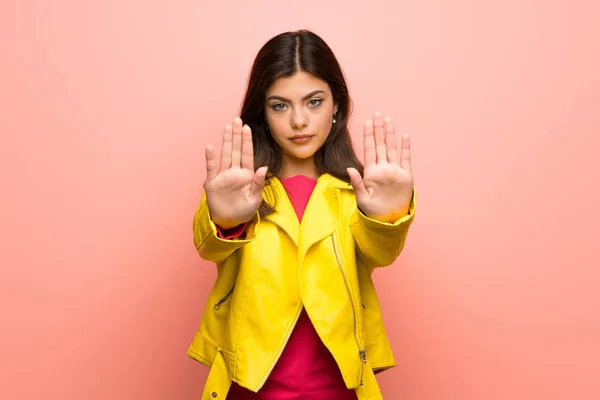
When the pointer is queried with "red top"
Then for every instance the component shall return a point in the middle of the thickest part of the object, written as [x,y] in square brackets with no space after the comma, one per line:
[306,369]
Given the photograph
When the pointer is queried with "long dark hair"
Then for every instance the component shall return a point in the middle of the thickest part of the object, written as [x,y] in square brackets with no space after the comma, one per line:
[283,56]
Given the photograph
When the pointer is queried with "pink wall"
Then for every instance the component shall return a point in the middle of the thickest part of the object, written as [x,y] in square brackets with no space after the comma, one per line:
[105,109]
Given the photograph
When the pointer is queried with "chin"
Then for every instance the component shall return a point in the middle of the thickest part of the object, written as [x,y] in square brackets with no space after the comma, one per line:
[302,154]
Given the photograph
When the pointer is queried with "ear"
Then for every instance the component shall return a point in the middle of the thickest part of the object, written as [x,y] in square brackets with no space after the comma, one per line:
[335,109]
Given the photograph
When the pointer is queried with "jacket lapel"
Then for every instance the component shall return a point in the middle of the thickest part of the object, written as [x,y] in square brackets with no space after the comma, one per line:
[284,215]
[320,217]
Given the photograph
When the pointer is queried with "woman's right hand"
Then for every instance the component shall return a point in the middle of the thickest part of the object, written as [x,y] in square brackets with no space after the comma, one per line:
[234,192]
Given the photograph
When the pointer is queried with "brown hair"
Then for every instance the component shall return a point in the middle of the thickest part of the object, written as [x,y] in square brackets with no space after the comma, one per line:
[283,56]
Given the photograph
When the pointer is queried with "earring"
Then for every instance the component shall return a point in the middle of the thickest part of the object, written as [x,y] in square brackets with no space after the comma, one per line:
[334,118]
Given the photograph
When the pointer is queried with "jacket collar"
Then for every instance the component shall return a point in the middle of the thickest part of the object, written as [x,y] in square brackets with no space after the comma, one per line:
[320,217]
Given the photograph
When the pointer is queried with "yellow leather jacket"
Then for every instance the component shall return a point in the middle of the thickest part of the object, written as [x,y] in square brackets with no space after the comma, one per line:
[266,277]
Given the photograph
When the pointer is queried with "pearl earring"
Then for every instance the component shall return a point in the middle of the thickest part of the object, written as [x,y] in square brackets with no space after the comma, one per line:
[334,118]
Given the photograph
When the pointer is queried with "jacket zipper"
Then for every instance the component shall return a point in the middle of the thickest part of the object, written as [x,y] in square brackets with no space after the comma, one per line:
[224,298]
[361,352]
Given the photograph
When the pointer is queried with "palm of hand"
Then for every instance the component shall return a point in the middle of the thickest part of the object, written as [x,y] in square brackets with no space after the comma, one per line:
[386,188]
[234,193]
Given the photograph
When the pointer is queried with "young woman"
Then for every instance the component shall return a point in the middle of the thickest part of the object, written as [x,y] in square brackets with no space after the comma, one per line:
[296,226]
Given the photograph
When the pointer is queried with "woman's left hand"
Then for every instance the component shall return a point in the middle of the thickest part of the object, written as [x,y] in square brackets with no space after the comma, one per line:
[385,190]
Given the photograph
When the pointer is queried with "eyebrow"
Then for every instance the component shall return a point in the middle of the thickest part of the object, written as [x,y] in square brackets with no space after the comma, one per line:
[311,94]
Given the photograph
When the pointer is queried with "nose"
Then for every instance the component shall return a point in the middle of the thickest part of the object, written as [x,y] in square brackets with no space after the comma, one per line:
[299,119]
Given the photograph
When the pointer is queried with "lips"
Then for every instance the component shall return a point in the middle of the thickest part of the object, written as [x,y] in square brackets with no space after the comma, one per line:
[299,139]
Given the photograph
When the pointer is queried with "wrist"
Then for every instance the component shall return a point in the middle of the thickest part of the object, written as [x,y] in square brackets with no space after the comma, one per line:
[227,225]
[389,218]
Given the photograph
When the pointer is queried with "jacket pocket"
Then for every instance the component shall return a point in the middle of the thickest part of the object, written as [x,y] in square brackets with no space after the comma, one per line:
[224,299]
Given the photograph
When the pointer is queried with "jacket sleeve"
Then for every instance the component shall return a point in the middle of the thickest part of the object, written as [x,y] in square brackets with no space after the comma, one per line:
[378,244]
[207,240]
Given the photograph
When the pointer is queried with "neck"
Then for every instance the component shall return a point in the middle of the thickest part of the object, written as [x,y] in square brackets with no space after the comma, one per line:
[296,166]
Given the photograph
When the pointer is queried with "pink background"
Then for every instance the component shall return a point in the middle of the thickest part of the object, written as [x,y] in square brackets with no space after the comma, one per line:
[105,109]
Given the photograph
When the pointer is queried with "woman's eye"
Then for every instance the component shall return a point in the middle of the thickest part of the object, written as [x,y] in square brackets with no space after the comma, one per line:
[315,102]
[278,107]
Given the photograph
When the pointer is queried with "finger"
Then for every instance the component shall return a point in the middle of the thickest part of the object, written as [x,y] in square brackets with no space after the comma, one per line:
[236,150]
[258,182]
[369,143]
[390,141]
[247,149]
[405,153]
[211,163]
[357,182]
[226,148]
[379,137]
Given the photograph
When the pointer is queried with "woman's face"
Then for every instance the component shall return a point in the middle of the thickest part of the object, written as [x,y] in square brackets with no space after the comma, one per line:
[299,111]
